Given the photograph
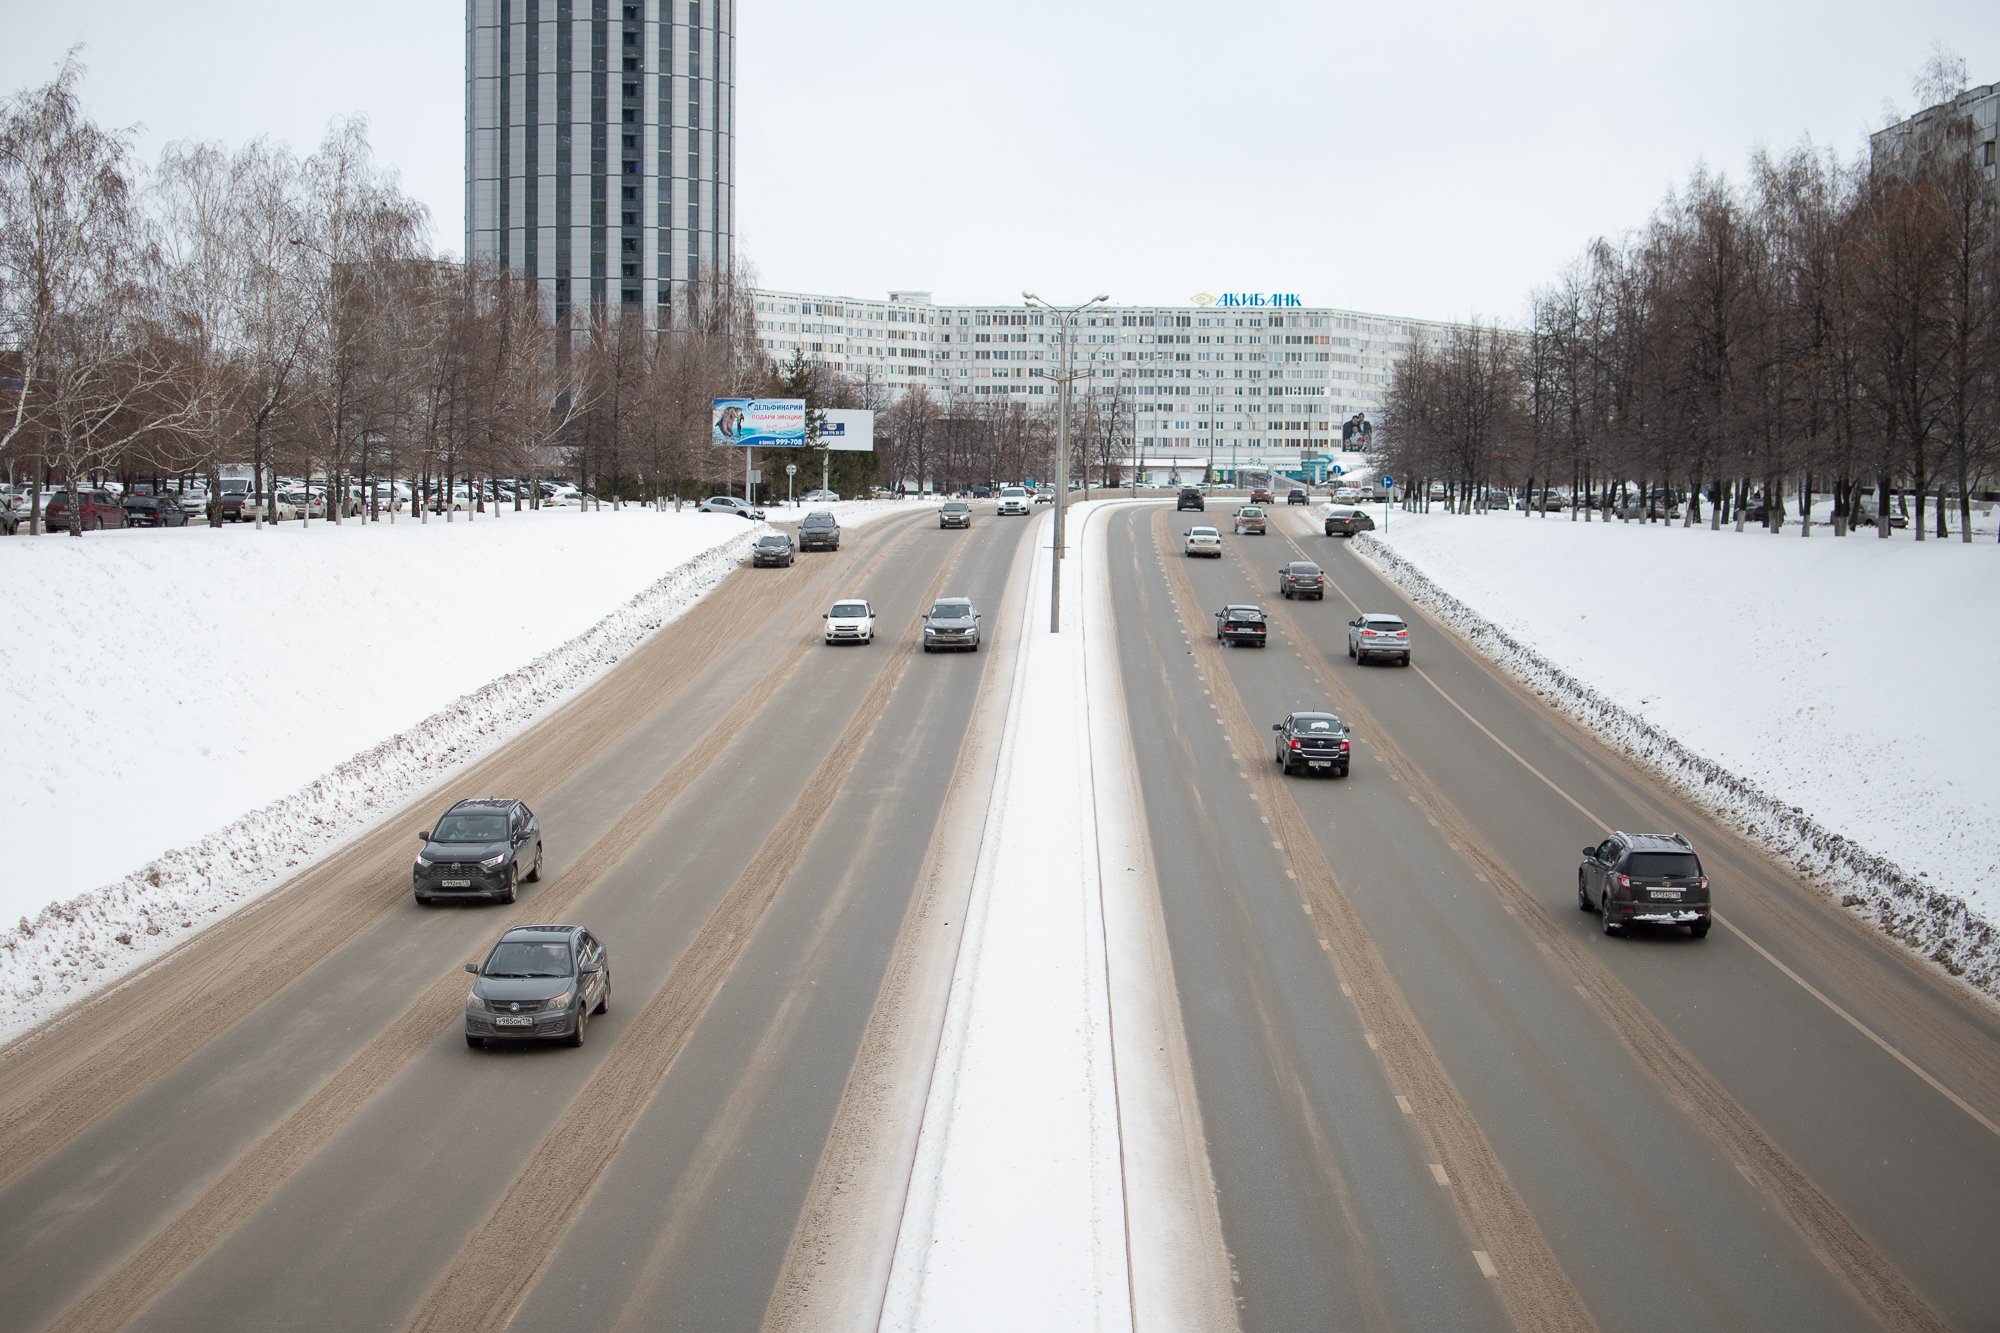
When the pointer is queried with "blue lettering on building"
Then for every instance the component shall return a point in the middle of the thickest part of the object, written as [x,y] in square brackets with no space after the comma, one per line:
[1259,300]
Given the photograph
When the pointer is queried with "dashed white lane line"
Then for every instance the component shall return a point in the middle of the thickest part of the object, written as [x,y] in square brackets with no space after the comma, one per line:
[1373,1044]
[1403,1105]
[1485,1262]
[1437,1174]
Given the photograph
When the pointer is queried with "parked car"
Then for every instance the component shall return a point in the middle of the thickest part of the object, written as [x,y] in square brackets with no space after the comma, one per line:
[1349,495]
[538,983]
[1375,634]
[1342,522]
[1013,500]
[1296,496]
[774,549]
[1313,743]
[951,623]
[1190,497]
[852,620]
[955,514]
[92,509]
[1203,541]
[1867,515]
[1241,624]
[819,531]
[311,503]
[729,504]
[1652,508]
[820,497]
[1644,877]
[1250,518]
[154,511]
[1302,578]
[477,849]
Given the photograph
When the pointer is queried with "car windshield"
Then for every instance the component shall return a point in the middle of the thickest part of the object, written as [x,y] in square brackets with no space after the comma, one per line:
[1322,725]
[774,541]
[471,828]
[528,958]
[1202,534]
[819,520]
[956,507]
[1384,625]
[951,611]
[1243,613]
[1300,568]
[850,610]
[1012,490]
[1663,865]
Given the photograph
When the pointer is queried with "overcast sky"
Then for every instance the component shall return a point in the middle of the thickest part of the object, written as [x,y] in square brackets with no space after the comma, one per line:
[1434,160]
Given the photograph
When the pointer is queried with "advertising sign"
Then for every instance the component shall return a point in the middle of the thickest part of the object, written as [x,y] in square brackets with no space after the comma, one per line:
[848,430]
[759,423]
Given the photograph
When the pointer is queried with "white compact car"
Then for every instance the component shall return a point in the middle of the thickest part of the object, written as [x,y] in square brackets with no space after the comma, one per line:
[1204,542]
[852,620]
[1013,500]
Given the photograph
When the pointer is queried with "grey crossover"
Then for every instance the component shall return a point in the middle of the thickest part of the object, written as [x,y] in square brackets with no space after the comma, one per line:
[538,983]
[951,623]
[478,849]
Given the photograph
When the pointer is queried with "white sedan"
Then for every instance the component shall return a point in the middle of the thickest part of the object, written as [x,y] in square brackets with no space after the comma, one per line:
[851,621]
[1204,541]
[821,497]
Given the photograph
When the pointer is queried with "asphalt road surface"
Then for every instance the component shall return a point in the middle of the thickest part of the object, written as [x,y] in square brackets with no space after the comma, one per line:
[1434,1095]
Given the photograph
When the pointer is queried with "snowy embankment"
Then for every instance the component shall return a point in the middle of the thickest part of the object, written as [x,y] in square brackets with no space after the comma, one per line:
[1829,695]
[218,708]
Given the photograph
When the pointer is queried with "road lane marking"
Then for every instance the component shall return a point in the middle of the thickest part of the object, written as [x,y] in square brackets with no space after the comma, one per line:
[1403,1105]
[1485,1264]
[1437,1174]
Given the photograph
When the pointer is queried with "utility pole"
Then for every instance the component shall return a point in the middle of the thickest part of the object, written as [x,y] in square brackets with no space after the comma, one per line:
[1065,315]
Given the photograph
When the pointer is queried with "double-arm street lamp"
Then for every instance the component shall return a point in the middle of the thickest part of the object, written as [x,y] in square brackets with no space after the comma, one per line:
[1065,316]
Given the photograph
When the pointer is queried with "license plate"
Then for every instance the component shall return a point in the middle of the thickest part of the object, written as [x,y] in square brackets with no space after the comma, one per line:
[454,883]
[522,1021]
[1321,763]
[1666,895]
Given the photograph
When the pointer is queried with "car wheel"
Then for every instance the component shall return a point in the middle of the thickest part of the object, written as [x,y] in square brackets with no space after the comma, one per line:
[1340,772]
[535,875]
[1582,894]
[927,647]
[1698,929]
[1279,757]
[476,1043]
[423,900]
[1350,648]
[604,1000]
[1611,926]
[575,1038]
[508,894]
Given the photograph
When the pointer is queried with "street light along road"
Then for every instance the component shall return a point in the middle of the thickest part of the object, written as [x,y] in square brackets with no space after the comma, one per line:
[1065,316]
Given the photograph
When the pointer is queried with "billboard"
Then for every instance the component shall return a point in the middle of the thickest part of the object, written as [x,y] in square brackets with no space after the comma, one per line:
[758,423]
[848,430]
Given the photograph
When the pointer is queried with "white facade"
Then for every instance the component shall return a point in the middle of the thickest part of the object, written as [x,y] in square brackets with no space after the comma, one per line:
[600,145]
[1234,384]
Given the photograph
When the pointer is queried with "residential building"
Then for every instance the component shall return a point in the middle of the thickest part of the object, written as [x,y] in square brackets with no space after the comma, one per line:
[1969,123]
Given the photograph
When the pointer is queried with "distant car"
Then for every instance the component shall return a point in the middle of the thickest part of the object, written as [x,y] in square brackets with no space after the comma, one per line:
[310,503]
[1242,624]
[774,549]
[951,623]
[92,509]
[1047,495]
[954,514]
[729,504]
[982,492]
[1347,522]
[1313,743]
[1375,634]
[1203,541]
[1867,515]
[1250,518]
[819,531]
[1260,495]
[1349,494]
[851,620]
[1013,500]
[154,511]
[1295,496]
[538,983]
[1644,877]
[1302,578]
[1190,498]
[478,849]
[820,497]
[1648,510]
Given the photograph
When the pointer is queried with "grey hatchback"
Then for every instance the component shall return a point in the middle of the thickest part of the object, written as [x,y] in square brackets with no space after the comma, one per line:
[538,983]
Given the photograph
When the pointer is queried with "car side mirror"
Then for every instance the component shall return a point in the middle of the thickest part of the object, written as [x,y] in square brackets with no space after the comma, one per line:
[1590,853]
[425,836]
[589,969]
[1277,726]
[472,968]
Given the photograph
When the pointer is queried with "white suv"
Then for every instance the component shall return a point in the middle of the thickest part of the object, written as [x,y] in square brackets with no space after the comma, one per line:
[1013,500]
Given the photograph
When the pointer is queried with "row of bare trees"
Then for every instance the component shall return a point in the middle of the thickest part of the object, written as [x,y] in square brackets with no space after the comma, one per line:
[1822,328]
[284,315]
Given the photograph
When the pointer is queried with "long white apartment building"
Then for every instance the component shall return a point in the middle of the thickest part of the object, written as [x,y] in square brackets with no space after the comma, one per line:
[1220,380]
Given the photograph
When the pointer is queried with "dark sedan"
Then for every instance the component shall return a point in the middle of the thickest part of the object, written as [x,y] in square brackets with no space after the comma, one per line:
[1347,522]
[538,983]
[773,548]
[478,849]
[1313,743]
[154,511]
[1242,624]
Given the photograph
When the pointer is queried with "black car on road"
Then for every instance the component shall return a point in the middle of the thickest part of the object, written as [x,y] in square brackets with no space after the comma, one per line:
[1347,522]
[819,531]
[1189,498]
[1644,877]
[1313,743]
[1242,624]
[478,849]
[951,623]
[538,983]
[773,548]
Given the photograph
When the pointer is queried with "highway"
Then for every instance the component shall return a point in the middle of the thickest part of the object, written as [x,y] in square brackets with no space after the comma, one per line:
[1432,1093]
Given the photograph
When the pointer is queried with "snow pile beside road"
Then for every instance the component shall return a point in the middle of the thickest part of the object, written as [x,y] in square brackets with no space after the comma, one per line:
[1824,694]
[161,683]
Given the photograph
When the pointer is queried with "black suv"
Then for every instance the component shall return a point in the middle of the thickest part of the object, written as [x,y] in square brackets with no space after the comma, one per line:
[1313,743]
[773,548]
[538,982]
[1242,624]
[1190,498]
[1651,877]
[819,531]
[476,850]
[1302,578]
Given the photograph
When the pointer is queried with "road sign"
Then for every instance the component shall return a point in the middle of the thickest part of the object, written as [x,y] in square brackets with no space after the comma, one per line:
[1385,481]
[1334,470]
[791,469]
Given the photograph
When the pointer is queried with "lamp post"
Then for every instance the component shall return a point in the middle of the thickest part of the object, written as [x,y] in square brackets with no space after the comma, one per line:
[1065,315]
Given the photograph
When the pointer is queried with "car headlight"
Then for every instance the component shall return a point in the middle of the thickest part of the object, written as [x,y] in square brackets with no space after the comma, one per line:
[495,861]
[929,630]
[562,1001]
[422,864]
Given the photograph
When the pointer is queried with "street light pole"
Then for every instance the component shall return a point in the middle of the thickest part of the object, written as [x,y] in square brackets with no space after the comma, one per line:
[1064,316]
